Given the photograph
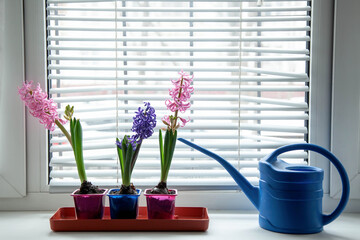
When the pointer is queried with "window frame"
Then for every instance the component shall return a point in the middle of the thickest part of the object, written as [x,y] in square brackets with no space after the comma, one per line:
[346,98]
[13,133]
[320,90]
[38,196]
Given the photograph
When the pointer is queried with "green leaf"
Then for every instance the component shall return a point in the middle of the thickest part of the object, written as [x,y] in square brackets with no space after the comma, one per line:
[172,144]
[121,158]
[161,149]
[75,140]
[123,149]
[166,155]
[79,150]
[124,145]
[135,156]
[72,132]
[127,169]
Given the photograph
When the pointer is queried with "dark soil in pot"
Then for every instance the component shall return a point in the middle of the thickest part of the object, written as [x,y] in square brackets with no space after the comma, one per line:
[125,190]
[161,188]
[88,188]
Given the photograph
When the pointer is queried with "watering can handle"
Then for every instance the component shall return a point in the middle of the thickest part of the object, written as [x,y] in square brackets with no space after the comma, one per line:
[343,175]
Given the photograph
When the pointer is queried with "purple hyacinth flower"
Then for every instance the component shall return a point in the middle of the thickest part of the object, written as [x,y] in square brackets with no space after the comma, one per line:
[130,141]
[118,143]
[144,123]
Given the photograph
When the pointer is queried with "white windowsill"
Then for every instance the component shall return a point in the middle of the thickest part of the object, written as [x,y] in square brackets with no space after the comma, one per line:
[223,225]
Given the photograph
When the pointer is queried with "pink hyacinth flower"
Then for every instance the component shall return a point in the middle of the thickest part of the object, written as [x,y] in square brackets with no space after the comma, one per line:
[166,120]
[181,93]
[39,105]
[180,101]
[184,121]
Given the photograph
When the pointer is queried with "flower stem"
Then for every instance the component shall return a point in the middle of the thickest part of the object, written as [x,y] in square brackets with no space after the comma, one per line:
[66,133]
[176,112]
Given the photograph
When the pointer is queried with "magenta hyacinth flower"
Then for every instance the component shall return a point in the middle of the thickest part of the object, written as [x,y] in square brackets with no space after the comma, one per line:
[180,95]
[39,105]
[167,120]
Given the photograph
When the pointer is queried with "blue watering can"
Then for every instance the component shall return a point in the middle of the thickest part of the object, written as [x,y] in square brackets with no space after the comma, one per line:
[289,197]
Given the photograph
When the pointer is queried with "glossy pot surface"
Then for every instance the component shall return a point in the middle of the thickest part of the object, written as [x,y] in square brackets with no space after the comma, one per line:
[123,206]
[89,206]
[160,206]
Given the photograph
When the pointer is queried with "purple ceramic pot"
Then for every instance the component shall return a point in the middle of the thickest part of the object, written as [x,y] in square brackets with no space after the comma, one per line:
[160,206]
[89,206]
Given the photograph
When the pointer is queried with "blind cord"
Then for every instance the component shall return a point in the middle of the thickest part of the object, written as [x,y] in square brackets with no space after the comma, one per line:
[239,101]
[116,89]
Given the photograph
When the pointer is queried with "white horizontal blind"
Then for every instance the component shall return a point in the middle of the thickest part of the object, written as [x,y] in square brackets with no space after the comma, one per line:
[251,83]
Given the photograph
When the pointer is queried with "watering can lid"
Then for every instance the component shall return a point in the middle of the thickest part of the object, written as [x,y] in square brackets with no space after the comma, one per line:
[280,170]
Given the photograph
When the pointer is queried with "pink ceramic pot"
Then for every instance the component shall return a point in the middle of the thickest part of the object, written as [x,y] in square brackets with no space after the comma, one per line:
[89,206]
[160,206]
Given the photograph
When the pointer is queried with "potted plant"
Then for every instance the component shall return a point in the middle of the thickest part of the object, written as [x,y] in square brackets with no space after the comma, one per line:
[124,201]
[161,200]
[88,199]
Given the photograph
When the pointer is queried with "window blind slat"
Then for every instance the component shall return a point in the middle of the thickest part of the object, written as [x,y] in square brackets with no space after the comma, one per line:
[86,1]
[178,19]
[183,9]
[206,88]
[179,39]
[95,110]
[170,69]
[154,78]
[204,164]
[274,116]
[198,98]
[231,155]
[261,140]
[192,29]
[89,146]
[95,98]
[174,59]
[109,143]
[124,117]
[149,173]
[183,49]
[65,185]
[254,127]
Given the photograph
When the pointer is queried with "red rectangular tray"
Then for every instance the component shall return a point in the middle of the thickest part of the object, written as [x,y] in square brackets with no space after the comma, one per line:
[186,219]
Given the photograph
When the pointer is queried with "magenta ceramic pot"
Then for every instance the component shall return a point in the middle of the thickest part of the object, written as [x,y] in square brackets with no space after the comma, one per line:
[160,206]
[89,206]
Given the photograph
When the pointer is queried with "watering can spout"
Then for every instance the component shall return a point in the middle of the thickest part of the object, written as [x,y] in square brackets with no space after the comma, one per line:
[250,191]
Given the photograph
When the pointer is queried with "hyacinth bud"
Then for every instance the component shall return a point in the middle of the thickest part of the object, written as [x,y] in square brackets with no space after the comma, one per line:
[69,111]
